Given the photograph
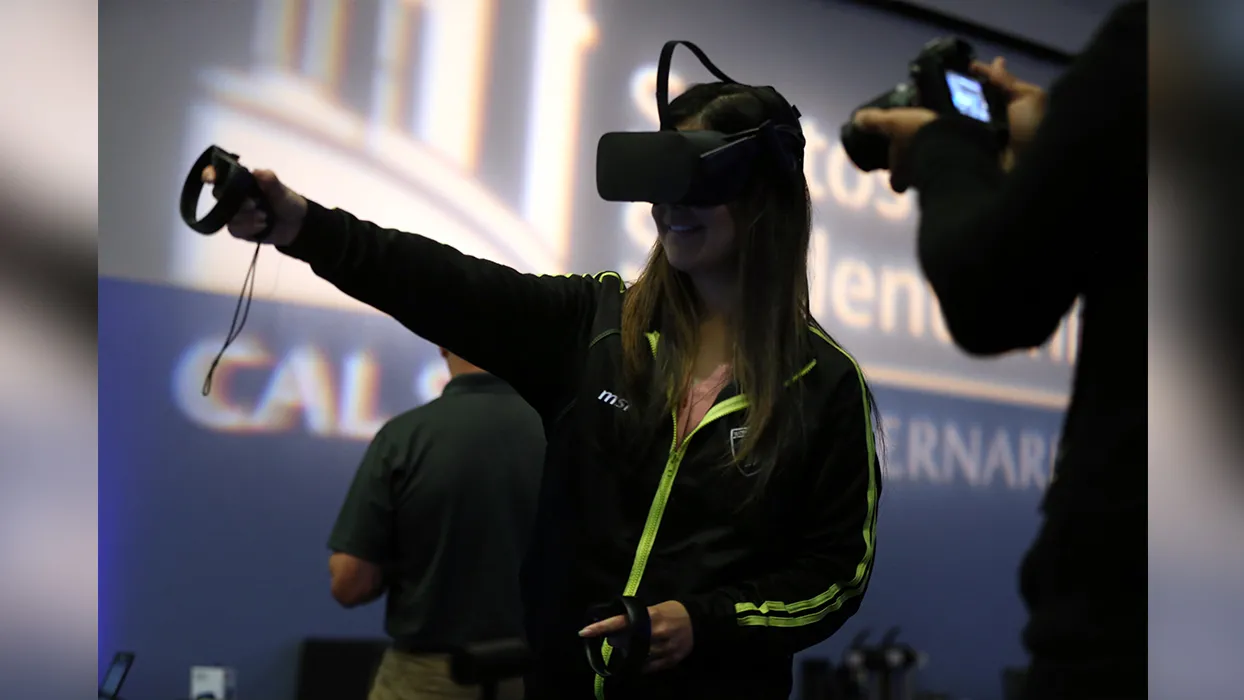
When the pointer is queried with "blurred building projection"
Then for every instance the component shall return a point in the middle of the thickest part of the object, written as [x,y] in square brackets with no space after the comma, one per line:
[410,160]
[380,108]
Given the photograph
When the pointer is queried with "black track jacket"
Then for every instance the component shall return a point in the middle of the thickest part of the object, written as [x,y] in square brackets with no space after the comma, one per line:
[624,512]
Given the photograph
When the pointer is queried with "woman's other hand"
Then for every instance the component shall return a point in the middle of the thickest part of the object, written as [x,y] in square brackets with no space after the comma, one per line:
[672,637]
[287,207]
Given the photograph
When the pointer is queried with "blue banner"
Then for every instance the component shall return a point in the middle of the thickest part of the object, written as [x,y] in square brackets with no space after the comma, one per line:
[214,510]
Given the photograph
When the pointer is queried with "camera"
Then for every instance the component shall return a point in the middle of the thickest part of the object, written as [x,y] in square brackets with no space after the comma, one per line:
[940,79]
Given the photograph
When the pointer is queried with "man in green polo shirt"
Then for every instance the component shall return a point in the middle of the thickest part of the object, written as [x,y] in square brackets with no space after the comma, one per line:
[438,517]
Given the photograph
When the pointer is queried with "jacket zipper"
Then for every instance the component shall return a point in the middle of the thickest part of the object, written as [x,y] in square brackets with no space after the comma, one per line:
[733,404]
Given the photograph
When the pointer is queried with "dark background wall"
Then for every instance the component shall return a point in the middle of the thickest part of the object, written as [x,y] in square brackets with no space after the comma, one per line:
[1065,25]
[214,511]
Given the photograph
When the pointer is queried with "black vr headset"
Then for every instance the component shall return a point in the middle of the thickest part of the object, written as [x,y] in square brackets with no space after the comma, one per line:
[695,168]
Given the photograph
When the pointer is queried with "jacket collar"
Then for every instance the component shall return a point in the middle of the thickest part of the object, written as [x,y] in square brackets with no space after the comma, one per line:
[654,339]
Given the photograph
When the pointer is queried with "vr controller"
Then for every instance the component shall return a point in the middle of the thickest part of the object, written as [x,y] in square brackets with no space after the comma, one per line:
[627,650]
[940,80]
[233,185]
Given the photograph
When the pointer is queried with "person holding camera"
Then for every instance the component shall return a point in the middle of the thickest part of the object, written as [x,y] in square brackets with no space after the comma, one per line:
[710,447]
[1009,239]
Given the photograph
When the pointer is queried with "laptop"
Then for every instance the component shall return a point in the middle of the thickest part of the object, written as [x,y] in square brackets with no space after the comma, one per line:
[110,686]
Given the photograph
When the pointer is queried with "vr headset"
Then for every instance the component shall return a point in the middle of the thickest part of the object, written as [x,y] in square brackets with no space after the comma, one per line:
[695,168]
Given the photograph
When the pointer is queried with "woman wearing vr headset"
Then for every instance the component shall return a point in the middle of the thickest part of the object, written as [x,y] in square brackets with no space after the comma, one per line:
[711,449]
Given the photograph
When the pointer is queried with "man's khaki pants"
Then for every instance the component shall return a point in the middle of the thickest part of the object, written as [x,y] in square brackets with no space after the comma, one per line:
[403,676]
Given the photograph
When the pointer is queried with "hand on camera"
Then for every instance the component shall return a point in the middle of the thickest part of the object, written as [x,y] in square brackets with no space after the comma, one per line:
[287,206]
[899,125]
[1025,110]
[672,636]
[1025,103]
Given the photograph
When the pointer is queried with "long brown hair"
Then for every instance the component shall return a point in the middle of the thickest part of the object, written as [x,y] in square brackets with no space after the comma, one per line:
[773,222]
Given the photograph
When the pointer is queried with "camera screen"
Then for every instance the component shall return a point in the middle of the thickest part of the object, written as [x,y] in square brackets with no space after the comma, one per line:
[968,95]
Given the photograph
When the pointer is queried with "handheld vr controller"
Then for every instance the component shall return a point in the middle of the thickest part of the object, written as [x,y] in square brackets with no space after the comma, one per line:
[233,185]
[628,650]
[941,80]
[694,168]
